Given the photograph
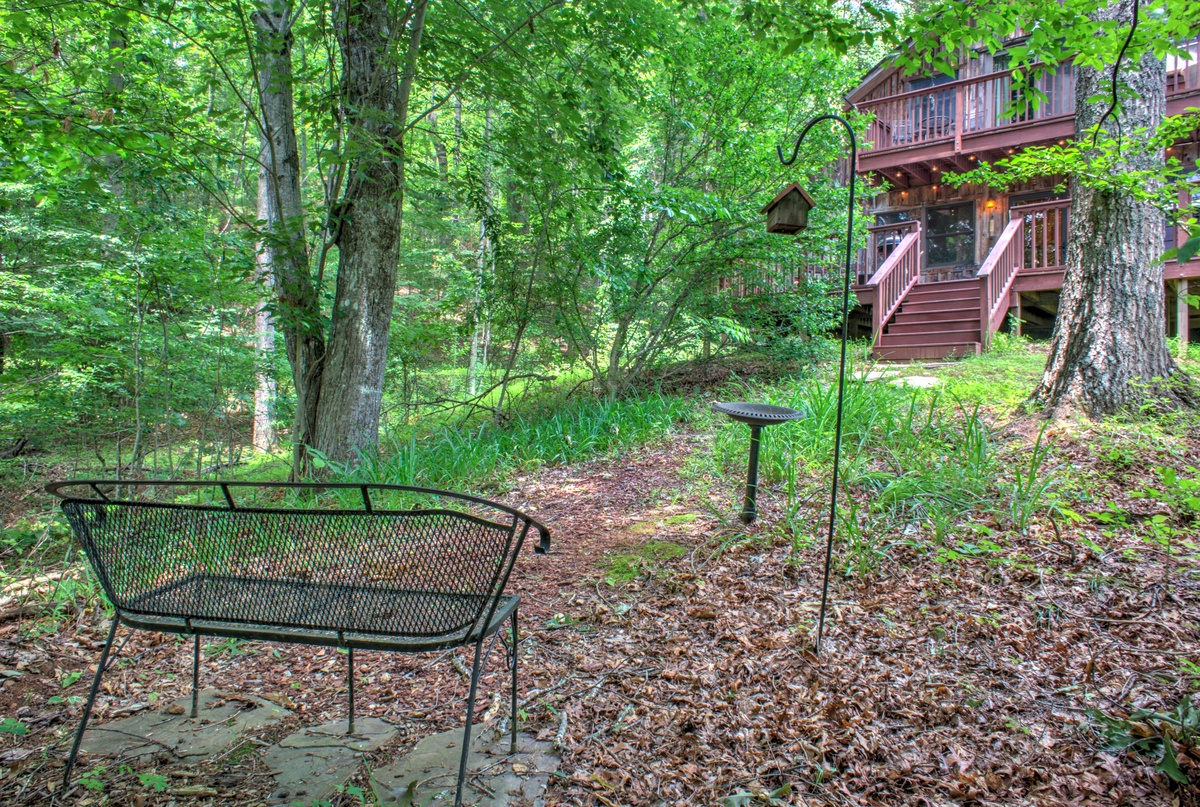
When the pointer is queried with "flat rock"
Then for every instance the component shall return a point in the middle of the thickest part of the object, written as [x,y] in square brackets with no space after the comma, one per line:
[316,760]
[222,719]
[880,373]
[429,773]
[922,381]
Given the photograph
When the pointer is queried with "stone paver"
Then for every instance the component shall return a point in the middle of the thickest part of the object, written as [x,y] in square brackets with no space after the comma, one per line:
[316,760]
[221,720]
[922,381]
[428,774]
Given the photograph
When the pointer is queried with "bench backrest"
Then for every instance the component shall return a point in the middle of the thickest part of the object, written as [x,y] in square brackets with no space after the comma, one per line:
[424,572]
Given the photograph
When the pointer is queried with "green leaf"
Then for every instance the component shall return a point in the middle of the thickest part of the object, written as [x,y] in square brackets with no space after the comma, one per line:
[1189,249]
[70,678]
[10,726]
[154,780]
[1169,765]
[738,800]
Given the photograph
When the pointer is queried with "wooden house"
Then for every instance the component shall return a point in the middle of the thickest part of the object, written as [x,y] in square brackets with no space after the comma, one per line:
[948,265]
[944,267]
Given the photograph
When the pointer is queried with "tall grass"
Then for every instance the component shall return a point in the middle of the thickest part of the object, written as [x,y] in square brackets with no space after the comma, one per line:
[482,456]
[914,462]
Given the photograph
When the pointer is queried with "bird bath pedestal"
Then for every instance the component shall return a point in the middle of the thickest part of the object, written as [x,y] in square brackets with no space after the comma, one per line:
[755,416]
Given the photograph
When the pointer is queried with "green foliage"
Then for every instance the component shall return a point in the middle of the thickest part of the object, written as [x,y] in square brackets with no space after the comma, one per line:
[1031,483]
[95,779]
[480,457]
[623,567]
[1181,496]
[1153,734]
[13,726]
[778,796]
[155,781]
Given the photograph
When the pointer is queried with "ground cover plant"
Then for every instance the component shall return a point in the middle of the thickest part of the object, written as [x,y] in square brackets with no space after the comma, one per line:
[1014,613]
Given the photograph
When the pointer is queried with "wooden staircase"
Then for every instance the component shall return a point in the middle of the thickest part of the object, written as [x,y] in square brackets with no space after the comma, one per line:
[933,321]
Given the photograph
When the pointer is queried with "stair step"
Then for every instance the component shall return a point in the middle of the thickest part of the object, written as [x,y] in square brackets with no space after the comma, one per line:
[937,315]
[941,326]
[917,293]
[915,352]
[930,337]
[912,306]
[950,284]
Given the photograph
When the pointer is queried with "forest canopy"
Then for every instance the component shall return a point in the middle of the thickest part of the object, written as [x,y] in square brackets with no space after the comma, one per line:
[578,177]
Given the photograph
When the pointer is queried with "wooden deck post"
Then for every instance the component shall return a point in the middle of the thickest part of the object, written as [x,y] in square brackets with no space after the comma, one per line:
[1181,314]
[1019,321]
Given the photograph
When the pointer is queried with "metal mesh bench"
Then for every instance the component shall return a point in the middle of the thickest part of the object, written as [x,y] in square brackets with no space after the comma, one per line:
[381,567]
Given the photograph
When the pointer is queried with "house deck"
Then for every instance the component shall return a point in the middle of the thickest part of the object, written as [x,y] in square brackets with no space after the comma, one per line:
[944,267]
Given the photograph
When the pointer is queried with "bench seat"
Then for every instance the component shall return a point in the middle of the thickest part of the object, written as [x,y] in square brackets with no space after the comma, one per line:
[286,611]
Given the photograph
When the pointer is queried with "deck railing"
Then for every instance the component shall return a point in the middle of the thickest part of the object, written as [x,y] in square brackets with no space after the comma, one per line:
[1183,74]
[898,273]
[996,277]
[1034,240]
[1044,234]
[989,102]
[964,106]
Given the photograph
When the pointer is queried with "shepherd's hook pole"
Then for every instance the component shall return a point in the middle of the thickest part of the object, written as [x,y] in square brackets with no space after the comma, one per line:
[837,442]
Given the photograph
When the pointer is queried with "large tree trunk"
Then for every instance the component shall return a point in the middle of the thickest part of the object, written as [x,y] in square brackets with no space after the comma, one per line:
[283,251]
[375,105]
[1109,348]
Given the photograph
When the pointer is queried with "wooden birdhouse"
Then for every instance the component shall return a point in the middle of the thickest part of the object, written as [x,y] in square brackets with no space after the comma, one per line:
[787,213]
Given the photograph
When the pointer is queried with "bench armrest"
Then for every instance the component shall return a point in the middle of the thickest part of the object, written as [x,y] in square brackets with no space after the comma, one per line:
[543,544]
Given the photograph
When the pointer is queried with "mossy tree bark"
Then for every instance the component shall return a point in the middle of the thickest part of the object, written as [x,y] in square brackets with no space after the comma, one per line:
[1109,350]
[376,97]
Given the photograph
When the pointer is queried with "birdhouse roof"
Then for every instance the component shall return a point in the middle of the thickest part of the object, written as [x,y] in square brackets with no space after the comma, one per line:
[795,186]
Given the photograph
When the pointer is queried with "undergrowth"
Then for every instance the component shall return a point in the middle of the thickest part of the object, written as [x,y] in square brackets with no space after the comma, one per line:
[481,458]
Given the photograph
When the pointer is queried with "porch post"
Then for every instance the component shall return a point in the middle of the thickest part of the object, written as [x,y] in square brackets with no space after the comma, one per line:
[1181,314]
[1018,294]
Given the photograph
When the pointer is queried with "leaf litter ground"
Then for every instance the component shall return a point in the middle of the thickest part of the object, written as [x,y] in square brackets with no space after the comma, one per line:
[684,676]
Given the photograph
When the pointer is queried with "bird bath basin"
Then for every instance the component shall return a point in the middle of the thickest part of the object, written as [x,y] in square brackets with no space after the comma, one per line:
[756,416]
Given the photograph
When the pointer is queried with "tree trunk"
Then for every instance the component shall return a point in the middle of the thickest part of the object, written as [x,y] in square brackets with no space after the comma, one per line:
[263,436]
[1109,348]
[478,324]
[283,251]
[439,145]
[376,106]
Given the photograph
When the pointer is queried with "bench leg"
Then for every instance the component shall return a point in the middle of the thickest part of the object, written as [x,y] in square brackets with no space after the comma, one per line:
[87,710]
[466,748]
[196,676]
[516,643]
[350,678]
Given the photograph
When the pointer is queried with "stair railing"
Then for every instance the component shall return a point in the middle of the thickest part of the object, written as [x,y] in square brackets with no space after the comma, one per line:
[996,277]
[894,278]
[1033,240]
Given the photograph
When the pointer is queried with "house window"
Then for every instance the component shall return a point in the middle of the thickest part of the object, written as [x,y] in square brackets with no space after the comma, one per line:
[950,235]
